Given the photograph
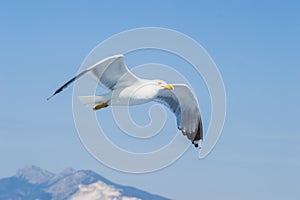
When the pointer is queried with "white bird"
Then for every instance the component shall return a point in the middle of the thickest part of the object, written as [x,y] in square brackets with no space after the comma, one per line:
[128,89]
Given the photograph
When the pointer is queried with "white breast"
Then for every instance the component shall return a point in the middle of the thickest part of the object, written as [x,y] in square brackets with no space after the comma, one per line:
[134,95]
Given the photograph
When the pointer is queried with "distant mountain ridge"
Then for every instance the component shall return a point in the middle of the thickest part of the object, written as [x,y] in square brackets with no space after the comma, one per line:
[34,183]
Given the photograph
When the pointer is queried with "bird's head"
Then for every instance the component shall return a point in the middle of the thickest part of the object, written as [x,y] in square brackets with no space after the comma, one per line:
[164,85]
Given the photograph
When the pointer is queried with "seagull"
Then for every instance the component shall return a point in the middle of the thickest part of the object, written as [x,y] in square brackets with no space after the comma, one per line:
[125,89]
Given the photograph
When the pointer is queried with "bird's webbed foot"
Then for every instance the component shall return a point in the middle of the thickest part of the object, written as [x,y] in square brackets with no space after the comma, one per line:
[101,105]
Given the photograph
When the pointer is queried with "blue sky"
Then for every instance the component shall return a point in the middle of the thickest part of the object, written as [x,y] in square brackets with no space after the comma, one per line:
[255,45]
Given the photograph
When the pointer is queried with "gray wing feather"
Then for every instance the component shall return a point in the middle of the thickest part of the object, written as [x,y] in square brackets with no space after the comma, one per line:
[112,71]
[183,103]
[108,72]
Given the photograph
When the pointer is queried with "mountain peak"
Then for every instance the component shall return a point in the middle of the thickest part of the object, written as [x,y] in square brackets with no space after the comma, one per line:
[34,174]
[33,182]
[99,190]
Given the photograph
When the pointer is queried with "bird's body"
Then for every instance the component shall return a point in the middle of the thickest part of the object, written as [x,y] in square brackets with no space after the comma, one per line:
[136,94]
[126,89]
[142,92]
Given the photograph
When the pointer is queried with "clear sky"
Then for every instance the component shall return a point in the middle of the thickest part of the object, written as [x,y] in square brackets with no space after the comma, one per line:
[255,45]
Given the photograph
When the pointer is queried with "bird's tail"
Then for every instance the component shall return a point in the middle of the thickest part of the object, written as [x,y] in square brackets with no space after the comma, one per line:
[92,101]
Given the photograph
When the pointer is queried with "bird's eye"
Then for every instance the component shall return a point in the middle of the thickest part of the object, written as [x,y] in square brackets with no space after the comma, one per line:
[159,82]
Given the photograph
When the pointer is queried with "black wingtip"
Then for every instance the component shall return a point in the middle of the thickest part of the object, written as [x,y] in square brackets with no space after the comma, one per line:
[50,97]
[197,143]
[67,83]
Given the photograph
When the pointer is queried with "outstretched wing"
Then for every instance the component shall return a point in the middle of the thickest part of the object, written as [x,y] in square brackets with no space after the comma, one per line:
[112,71]
[183,104]
[109,72]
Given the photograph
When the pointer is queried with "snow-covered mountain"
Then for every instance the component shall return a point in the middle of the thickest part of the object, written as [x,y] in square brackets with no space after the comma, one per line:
[34,183]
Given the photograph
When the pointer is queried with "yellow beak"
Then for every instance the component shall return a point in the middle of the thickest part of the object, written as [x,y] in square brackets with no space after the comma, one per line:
[169,87]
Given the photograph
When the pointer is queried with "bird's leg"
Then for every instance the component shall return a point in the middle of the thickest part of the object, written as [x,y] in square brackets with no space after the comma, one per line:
[101,105]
